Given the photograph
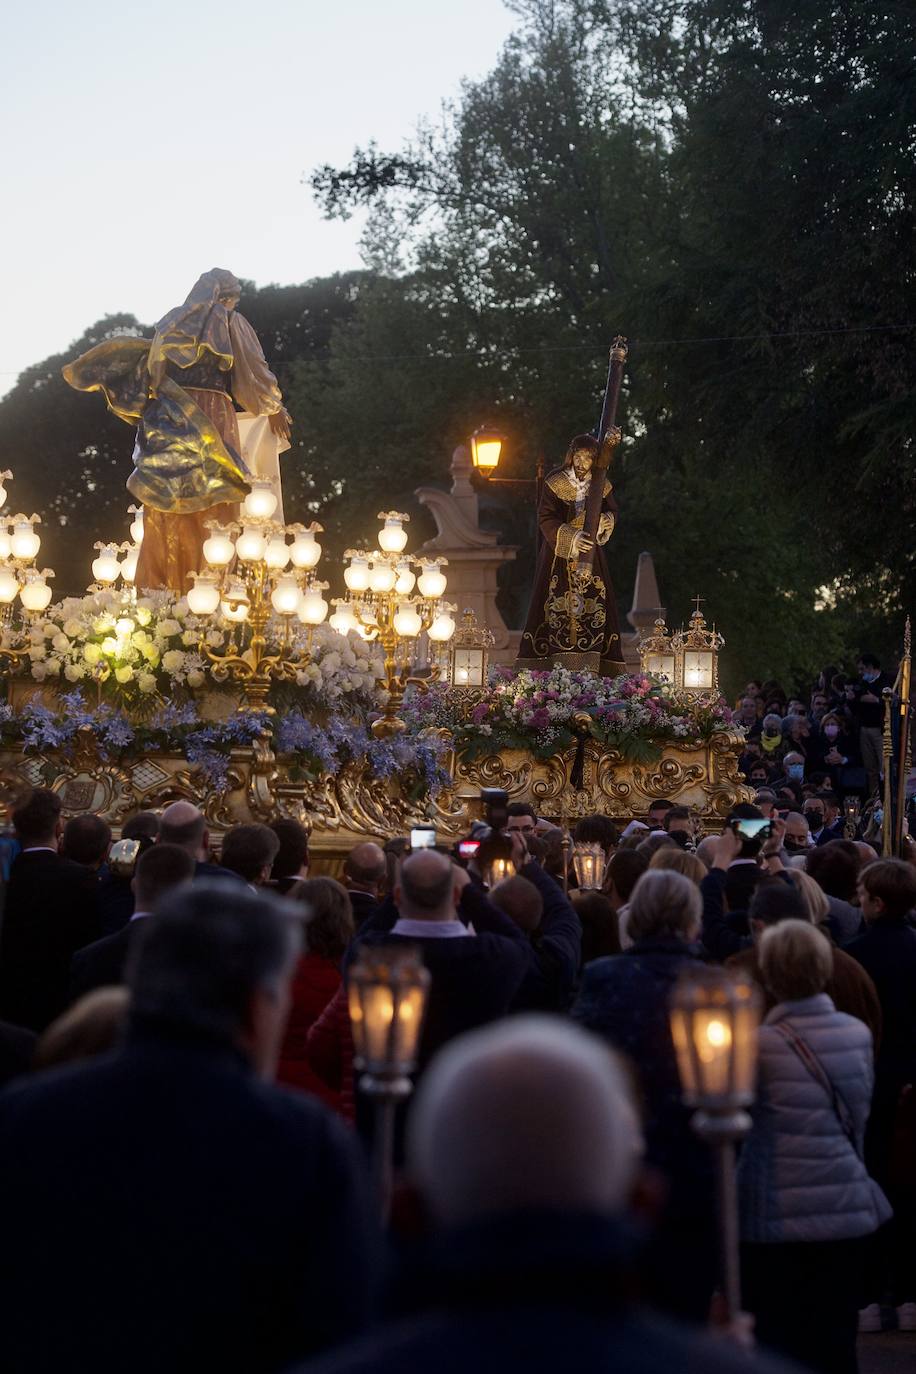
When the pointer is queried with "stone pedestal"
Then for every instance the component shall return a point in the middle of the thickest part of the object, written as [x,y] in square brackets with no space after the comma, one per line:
[474,555]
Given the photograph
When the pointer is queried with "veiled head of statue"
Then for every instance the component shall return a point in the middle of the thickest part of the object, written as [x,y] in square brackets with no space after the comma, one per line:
[216,285]
[581,453]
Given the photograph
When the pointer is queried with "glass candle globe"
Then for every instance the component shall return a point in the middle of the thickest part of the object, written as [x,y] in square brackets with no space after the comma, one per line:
[203,597]
[286,595]
[219,548]
[382,577]
[431,582]
[9,585]
[356,575]
[136,525]
[36,593]
[105,568]
[392,537]
[235,605]
[3,493]
[407,621]
[406,580]
[250,544]
[129,564]
[442,628]
[305,550]
[261,501]
[343,618]
[6,547]
[25,543]
[313,608]
[276,554]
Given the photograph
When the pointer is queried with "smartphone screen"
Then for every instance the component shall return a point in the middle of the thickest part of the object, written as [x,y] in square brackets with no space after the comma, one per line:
[752,829]
[468,848]
[422,837]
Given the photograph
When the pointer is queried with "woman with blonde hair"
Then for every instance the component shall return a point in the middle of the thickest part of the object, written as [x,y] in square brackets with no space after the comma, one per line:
[679,861]
[807,1203]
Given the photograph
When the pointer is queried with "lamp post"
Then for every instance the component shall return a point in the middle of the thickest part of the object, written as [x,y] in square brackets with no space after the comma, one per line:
[381,607]
[696,655]
[387,991]
[714,1018]
[270,576]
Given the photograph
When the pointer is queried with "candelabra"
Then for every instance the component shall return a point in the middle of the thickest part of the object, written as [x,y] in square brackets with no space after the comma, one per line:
[248,578]
[381,608]
[19,546]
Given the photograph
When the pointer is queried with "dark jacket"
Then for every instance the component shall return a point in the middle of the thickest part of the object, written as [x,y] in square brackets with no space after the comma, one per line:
[364,907]
[723,934]
[887,952]
[625,998]
[102,963]
[556,948]
[540,1293]
[16,1049]
[50,913]
[115,901]
[225,1221]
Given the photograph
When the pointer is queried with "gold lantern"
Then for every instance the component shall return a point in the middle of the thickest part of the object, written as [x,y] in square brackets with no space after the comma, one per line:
[469,654]
[656,654]
[696,655]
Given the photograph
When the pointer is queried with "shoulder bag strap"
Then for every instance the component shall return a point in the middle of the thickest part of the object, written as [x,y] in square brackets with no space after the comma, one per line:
[819,1073]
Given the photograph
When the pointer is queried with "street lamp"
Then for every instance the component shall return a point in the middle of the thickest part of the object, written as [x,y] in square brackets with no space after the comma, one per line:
[714,1019]
[387,991]
[486,447]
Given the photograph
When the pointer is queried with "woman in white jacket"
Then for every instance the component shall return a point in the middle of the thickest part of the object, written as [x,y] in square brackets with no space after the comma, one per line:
[807,1202]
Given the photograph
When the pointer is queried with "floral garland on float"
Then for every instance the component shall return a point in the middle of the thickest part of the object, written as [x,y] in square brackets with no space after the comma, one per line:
[548,712]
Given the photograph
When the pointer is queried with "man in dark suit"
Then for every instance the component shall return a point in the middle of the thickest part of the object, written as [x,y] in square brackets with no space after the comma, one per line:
[227,1222]
[364,872]
[184,824]
[50,912]
[162,869]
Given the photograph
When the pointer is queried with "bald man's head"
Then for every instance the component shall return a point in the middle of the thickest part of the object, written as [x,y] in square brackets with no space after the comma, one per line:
[530,1113]
[183,824]
[426,887]
[365,868]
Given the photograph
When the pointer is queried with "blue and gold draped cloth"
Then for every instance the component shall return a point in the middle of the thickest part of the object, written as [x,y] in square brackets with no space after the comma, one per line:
[183,461]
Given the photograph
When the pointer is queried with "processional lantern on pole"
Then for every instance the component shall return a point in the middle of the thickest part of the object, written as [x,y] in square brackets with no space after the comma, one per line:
[714,1019]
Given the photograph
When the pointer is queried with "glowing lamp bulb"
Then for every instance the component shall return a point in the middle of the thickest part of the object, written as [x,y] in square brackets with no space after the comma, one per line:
[250,545]
[313,608]
[105,568]
[431,582]
[9,585]
[219,548]
[25,543]
[392,537]
[6,547]
[407,621]
[305,550]
[203,597]
[442,628]
[35,595]
[356,575]
[261,501]
[286,595]
[382,577]
[276,554]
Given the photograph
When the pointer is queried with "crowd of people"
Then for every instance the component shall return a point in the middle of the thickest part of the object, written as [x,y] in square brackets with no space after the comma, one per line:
[184,1142]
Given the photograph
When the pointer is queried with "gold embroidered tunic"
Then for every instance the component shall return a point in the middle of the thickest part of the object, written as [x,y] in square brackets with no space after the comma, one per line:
[572,618]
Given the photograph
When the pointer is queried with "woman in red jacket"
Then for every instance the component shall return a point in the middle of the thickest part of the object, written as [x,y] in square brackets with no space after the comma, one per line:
[328,932]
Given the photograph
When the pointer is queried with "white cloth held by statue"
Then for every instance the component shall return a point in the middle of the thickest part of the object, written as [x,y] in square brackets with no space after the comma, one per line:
[261,450]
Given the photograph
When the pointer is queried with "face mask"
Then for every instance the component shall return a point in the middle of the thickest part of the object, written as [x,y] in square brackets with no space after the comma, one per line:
[815,819]
[831,731]
[795,846]
[870,676]
[770,742]
[795,771]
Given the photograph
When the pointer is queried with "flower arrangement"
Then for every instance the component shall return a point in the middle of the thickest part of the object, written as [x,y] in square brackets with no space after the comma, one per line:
[546,712]
[134,648]
[416,764]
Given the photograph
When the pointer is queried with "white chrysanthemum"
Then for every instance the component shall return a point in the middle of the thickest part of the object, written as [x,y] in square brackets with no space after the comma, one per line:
[168,628]
[144,615]
[73,629]
[61,643]
[215,638]
[92,654]
[39,671]
[173,660]
[146,682]
[190,638]
[37,652]
[196,678]
[74,672]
